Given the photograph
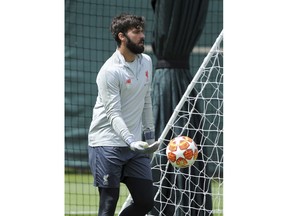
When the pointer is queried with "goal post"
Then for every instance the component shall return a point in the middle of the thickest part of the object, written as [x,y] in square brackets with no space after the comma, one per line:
[198,115]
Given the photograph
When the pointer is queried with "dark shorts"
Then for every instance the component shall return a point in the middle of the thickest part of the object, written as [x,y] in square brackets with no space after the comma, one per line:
[110,165]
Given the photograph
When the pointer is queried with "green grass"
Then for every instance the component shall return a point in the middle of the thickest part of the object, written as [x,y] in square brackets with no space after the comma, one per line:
[81,197]
[217,197]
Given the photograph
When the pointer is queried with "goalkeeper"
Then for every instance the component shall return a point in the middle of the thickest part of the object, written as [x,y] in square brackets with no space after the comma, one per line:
[122,115]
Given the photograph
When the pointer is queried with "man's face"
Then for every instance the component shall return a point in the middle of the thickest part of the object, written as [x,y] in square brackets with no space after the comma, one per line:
[135,40]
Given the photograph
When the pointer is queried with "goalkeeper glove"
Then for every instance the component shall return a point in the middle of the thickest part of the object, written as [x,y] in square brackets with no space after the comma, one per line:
[143,147]
[138,146]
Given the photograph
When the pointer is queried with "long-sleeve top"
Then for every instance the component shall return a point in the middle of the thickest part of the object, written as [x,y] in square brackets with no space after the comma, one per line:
[123,109]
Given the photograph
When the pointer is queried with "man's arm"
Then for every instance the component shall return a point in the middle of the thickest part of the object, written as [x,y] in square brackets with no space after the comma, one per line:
[108,87]
[147,116]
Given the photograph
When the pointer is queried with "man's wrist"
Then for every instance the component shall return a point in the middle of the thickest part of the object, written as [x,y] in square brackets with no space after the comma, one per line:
[129,140]
[149,136]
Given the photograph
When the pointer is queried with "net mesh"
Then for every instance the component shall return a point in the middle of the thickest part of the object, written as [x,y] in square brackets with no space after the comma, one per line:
[88,43]
[198,115]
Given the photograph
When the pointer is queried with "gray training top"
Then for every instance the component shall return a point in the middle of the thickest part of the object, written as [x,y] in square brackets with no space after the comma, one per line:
[123,107]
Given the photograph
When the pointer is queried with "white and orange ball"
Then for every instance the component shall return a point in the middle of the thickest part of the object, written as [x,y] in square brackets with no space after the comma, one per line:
[182,152]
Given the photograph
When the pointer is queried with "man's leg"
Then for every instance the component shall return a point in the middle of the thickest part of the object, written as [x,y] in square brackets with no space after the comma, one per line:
[141,191]
[108,201]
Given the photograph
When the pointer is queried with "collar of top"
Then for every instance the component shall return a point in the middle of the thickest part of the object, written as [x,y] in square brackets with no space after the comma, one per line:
[122,59]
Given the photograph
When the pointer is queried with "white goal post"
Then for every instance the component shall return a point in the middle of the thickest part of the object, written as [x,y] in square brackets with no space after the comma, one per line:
[197,190]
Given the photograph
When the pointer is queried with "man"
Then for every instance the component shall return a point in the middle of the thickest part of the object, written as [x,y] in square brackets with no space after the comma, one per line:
[122,115]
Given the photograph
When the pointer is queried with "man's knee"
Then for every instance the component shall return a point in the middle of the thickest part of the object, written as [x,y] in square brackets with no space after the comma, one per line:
[145,205]
[145,201]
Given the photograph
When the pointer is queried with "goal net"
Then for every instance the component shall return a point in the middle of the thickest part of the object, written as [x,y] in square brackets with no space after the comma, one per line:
[197,190]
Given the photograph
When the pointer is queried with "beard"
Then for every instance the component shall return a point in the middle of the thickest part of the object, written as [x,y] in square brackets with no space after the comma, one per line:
[133,47]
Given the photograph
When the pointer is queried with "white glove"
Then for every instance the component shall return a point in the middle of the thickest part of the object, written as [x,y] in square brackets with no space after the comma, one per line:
[144,147]
[138,146]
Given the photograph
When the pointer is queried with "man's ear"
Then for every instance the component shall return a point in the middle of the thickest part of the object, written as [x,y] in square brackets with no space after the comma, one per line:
[121,36]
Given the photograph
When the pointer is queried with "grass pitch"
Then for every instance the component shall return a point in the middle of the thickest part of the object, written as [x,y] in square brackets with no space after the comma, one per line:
[81,197]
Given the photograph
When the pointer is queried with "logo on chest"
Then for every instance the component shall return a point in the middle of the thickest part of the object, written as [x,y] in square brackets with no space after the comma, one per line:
[147,76]
[137,82]
[128,83]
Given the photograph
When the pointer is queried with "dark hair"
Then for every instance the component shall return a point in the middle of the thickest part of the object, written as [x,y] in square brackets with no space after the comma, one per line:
[123,23]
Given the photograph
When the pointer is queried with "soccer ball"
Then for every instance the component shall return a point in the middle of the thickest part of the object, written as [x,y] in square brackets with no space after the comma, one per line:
[182,152]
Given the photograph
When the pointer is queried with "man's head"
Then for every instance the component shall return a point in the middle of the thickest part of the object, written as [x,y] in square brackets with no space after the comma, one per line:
[129,30]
